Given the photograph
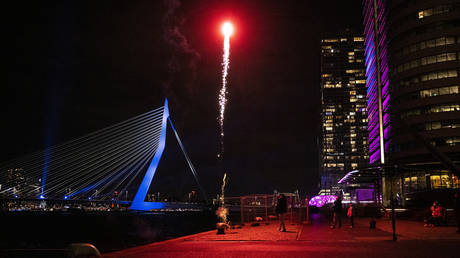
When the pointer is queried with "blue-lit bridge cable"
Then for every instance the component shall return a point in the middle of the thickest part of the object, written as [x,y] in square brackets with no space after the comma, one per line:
[28,169]
[73,149]
[88,161]
[85,140]
[70,152]
[115,169]
[101,162]
[127,172]
[140,164]
[94,135]
[141,167]
[128,161]
[189,162]
[102,150]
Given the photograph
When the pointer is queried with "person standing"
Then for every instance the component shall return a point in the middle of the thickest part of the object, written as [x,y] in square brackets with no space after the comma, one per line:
[351,214]
[337,213]
[281,209]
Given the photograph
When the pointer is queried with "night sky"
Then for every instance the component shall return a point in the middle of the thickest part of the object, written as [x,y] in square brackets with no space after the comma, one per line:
[78,66]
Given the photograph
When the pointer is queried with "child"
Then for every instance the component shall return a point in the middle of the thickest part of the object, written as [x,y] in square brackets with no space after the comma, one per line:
[350,214]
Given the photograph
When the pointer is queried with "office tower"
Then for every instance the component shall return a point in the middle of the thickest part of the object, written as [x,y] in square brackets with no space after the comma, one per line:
[412,68]
[344,144]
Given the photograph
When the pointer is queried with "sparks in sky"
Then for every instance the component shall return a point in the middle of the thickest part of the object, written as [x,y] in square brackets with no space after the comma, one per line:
[227,30]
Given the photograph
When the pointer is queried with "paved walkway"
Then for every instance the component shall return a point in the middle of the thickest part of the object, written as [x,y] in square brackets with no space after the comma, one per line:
[360,232]
[263,232]
[317,239]
[414,230]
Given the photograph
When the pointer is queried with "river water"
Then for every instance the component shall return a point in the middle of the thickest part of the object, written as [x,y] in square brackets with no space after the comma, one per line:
[108,231]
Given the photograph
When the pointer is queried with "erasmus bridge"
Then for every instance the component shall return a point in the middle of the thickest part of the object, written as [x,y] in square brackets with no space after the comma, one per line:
[95,166]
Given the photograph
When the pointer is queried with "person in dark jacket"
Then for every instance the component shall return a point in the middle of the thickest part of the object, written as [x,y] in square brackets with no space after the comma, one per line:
[281,209]
[337,208]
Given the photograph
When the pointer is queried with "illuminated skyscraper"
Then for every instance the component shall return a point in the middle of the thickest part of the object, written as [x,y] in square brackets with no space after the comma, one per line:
[344,144]
[412,67]
[378,92]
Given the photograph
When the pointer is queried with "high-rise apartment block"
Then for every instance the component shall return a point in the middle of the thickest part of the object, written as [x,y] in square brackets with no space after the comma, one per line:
[344,141]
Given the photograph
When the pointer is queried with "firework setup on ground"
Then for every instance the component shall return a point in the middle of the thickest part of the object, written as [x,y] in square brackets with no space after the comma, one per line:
[227,31]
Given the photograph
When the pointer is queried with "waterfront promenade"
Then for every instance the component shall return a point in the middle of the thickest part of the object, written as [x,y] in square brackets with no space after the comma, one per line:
[309,240]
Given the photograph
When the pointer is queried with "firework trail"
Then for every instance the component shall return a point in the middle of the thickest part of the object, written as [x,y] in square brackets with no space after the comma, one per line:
[222,212]
[227,30]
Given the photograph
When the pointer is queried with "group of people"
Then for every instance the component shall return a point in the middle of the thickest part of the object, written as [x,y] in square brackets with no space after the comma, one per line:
[281,209]
[436,216]
[437,213]
[337,217]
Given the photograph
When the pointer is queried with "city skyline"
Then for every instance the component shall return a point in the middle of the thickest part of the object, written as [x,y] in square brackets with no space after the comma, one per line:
[234,128]
[76,69]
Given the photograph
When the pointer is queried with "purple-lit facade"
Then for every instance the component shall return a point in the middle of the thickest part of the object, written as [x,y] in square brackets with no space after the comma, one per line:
[377,73]
[412,51]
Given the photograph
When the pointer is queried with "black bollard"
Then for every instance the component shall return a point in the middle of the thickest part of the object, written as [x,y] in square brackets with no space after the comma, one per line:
[372,223]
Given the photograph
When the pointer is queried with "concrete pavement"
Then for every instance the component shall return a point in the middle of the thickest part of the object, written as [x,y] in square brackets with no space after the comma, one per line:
[309,240]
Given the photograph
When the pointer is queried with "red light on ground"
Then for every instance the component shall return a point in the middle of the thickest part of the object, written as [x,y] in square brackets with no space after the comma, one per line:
[227,29]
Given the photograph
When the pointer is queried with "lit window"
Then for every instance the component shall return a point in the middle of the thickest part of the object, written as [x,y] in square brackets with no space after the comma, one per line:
[353,71]
[420,15]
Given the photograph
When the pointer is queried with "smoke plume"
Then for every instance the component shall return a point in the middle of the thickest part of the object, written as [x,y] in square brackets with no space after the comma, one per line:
[182,62]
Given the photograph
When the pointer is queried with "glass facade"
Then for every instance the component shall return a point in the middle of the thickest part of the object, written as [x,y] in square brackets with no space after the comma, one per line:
[413,76]
[412,52]
[377,73]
